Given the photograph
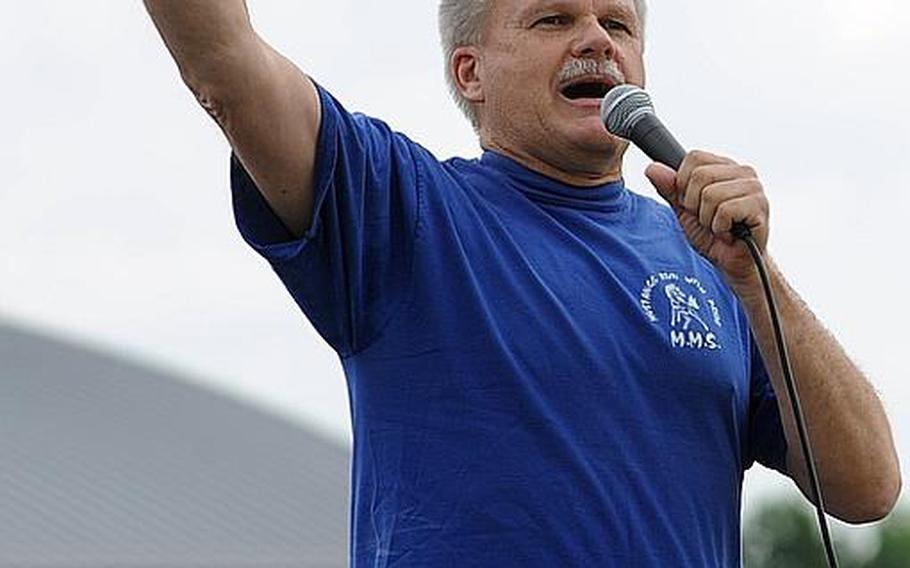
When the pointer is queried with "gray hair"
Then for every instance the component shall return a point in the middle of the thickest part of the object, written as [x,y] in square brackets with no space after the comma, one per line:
[461,23]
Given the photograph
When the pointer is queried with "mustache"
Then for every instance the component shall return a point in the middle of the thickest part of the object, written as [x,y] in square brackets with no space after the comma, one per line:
[576,67]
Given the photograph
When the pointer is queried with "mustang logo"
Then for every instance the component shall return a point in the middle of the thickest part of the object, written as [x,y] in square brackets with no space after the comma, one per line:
[684,309]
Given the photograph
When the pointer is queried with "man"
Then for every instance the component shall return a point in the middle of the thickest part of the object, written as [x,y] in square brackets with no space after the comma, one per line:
[545,369]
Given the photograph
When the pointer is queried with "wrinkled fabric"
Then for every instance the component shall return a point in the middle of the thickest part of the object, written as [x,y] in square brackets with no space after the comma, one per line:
[539,375]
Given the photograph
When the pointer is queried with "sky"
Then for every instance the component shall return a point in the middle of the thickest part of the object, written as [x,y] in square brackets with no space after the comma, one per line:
[116,228]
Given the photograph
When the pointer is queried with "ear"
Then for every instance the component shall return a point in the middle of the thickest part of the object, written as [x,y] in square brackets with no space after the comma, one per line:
[466,70]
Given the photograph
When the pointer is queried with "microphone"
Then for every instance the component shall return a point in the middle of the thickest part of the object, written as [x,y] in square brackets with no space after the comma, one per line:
[628,113]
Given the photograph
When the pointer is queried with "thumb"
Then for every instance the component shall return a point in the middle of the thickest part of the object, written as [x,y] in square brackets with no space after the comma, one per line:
[664,180]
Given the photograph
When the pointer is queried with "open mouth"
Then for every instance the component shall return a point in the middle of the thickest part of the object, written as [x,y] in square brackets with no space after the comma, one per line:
[586,88]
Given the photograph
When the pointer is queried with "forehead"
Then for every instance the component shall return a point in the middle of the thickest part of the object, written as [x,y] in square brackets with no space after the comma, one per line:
[515,10]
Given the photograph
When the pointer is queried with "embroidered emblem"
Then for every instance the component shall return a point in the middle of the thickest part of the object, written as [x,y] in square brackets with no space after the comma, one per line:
[684,306]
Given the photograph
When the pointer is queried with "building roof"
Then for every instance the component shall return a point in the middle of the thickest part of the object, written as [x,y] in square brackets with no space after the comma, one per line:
[106,463]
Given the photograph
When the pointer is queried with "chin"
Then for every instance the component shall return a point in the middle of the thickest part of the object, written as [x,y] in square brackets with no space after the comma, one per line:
[592,135]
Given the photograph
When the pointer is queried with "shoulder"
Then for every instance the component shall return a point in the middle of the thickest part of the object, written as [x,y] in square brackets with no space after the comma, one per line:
[344,126]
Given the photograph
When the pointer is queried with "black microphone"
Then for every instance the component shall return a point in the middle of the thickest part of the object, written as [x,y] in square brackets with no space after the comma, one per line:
[627,112]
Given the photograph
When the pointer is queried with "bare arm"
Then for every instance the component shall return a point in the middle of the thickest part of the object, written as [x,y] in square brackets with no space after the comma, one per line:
[268,109]
[851,439]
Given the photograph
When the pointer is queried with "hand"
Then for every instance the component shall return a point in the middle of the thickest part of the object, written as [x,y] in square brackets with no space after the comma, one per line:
[709,194]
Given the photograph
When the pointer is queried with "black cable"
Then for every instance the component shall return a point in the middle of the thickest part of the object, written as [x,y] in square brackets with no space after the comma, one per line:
[742,232]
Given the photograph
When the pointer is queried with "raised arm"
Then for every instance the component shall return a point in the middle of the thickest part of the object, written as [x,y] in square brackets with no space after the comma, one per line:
[267,108]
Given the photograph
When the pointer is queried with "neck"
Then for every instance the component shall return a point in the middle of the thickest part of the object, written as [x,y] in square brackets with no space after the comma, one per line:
[582,171]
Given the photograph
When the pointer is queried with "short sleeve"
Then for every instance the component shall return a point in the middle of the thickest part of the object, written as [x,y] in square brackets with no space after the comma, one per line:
[351,269]
[766,443]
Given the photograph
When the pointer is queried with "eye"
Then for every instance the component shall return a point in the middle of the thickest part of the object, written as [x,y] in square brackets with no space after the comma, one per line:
[553,21]
[616,25]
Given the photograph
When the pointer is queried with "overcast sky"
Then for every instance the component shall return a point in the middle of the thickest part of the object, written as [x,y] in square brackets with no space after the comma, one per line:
[115,220]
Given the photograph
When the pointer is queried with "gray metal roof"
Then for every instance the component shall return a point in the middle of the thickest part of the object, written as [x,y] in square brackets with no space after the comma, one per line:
[106,463]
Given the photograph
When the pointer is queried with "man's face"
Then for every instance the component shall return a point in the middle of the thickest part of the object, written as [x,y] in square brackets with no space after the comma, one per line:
[545,66]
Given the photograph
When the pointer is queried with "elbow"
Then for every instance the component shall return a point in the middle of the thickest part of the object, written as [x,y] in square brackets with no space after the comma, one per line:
[876,502]
[886,497]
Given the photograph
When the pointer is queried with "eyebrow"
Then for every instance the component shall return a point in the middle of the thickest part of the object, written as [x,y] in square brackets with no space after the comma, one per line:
[544,6]
[624,11]
[617,9]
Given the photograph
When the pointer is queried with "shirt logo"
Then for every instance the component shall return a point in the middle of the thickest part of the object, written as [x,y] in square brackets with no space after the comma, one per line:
[683,306]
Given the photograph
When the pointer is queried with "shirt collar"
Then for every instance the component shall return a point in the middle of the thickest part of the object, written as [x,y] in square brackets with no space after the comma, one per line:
[608,197]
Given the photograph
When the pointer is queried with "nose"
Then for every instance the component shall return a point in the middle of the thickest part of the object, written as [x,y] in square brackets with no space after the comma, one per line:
[593,40]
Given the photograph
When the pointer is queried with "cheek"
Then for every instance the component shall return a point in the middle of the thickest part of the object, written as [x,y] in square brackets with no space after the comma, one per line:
[633,68]
[516,89]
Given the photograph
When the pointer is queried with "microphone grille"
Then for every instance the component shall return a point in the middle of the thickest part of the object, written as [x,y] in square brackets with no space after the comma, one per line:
[623,107]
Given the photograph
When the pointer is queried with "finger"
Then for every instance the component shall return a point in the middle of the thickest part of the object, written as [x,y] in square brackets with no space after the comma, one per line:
[707,175]
[751,210]
[663,179]
[717,193]
[694,160]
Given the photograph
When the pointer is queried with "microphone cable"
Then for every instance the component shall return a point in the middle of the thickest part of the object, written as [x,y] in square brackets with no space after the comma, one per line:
[627,112]
[742,232]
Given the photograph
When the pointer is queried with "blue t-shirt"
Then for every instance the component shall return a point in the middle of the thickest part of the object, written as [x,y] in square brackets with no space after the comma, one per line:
[539,375]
